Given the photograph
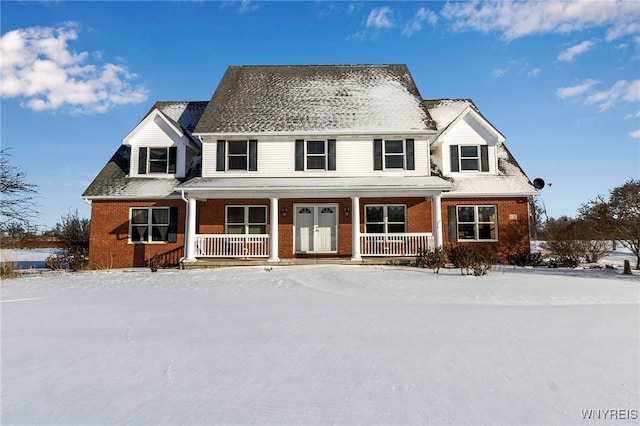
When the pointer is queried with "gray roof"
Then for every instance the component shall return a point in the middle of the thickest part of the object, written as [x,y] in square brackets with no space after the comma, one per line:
[184,114]
[113,181]
[315,98]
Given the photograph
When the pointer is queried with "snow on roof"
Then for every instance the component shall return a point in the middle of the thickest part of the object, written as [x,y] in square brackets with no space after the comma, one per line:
[510,180]
[184,113]
[445,111]
[365,98]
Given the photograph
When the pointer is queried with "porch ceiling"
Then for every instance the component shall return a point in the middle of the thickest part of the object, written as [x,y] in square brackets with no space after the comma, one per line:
[315,187]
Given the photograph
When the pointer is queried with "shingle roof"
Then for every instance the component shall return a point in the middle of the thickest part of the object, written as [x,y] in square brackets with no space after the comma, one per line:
[113,181]
[185,114]
[444,111]
[320,98]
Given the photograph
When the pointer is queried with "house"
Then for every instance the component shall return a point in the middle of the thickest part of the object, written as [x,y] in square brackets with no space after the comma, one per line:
[340,161]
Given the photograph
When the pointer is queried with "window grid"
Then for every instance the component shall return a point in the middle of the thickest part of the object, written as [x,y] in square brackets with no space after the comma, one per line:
[246,220]
[316,155]
[477,223]
[394,154]
[469,158]
[385,219]
[238,155]
[149,224]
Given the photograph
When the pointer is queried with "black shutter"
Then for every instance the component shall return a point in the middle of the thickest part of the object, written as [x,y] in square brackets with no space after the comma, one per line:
[377,154]
[173,159]
[173,225]
[455,165]
[453,224]
[332,154]
[221,156]
[299,154]
[253,155]
[142,160]
[411,165]
[484,158]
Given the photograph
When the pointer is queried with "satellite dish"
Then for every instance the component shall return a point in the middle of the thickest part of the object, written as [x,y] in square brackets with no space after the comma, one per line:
[538,183]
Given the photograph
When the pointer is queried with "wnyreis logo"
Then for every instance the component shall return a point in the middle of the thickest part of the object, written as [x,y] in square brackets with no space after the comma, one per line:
[609,414]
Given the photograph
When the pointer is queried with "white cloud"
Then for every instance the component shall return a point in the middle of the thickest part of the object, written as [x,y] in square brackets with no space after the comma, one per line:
[636,115]
[381,17]
[635,134]
[520,19]
[573,91]
[415,24]
[247,6]
[519,66]
[620,91]
[570,53]
[38,65]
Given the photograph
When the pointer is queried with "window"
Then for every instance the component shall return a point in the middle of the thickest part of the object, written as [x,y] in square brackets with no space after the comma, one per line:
[237,155]
[157,160]
[153,224]
[385,219]
[246,220]
[315,155]
[474,223]
[393,154]
[469,158]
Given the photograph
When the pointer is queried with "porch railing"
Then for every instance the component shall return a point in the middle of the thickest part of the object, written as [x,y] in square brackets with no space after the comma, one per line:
[225,245]
[408,244]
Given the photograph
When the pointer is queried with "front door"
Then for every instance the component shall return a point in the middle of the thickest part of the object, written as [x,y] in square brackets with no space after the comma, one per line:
[316,228]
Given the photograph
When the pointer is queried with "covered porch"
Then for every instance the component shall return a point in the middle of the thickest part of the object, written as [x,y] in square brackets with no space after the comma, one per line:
[313,218]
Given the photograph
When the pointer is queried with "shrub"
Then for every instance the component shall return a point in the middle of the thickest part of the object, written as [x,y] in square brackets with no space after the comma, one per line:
[469,259]
[566,253]
[526,258]
[73,235]
[432,259]
[155,263]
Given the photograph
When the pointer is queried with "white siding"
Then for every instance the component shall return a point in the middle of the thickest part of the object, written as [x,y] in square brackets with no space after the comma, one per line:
[157,134]
[468,132]
[354,157]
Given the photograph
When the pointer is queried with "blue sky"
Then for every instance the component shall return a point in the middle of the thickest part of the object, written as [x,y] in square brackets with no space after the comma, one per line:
[560,80]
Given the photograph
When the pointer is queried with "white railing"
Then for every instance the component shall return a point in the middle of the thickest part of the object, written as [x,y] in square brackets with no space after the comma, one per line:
[225,245]
[408,244]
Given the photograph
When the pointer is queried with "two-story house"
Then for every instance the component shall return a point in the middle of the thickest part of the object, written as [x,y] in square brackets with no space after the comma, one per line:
[343,161]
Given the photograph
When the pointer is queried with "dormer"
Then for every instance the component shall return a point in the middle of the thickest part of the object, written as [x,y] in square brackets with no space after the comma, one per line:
[161,145]
[466,143]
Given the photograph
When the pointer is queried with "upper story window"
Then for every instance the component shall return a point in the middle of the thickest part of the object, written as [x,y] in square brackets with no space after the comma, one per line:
[246,220]
[157,160]
[393,154]
[153,225]
[237,155]
[469,158]
[473,223]
[315,154]
[385,219]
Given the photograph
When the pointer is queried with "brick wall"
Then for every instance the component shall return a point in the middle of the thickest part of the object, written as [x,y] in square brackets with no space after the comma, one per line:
[109,245]
[110,248]
[211,218]
[513,224]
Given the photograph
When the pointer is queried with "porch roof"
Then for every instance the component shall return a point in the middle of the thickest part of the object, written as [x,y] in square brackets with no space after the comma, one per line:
[315,187]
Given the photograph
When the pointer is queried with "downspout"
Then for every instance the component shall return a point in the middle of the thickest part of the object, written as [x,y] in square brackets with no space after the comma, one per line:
[186,202]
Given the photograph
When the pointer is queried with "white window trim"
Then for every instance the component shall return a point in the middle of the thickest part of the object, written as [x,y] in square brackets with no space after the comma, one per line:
[477,158]
[307,155]
[385,222]
[229,155]
[394,154]
[149,225]
[246,223]
[477,222]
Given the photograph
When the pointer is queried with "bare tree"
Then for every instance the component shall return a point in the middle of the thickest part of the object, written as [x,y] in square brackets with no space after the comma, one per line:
[17,196]
[618,216]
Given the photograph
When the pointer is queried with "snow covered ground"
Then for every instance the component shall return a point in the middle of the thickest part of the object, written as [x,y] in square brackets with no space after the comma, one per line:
[320,345]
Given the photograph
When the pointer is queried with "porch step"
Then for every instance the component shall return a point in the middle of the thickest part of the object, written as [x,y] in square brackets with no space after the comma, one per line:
[224,263]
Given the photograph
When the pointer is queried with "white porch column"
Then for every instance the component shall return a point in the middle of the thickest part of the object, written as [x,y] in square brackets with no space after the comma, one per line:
[437,220]
[355,229]
[190,232]
[273,237]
